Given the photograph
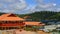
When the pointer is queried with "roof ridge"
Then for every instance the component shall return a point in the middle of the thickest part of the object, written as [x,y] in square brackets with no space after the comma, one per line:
[8,17]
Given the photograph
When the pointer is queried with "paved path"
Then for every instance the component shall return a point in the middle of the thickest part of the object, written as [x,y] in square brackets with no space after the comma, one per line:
[21,32]
[16,32]
[24,32]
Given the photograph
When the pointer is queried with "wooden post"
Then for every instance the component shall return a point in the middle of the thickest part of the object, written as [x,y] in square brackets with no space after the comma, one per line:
[2,28]
[8,28]
[5,28]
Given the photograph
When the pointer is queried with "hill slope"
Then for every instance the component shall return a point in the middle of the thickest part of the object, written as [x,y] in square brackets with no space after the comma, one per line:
[42,15]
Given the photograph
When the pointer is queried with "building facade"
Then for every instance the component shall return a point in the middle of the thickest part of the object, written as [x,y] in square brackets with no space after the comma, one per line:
[11,21]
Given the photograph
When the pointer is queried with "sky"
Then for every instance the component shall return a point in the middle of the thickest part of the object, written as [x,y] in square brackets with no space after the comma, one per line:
[28,6]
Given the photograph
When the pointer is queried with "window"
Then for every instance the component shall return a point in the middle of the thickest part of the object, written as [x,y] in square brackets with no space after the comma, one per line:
[21,21]
[0,22]
[5,22]
[28,26]
[12,22]
[16,21]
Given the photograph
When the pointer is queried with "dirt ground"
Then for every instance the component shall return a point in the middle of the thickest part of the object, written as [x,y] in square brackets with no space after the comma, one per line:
[42,32]
[30,32]
[22,32]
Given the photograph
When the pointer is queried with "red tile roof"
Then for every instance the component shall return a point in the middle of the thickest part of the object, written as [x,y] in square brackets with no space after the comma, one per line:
[13,17]
[34,23]
[8,18]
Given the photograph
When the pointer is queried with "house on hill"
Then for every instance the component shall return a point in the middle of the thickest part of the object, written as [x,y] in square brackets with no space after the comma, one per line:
[34,23]
[11,21]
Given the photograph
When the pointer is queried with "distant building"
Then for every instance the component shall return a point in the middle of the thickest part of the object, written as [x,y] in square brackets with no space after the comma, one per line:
[34,23]
[50,27]
[11,21]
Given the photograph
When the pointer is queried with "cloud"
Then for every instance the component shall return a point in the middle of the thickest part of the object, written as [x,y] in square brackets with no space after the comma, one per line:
[45,5]
[20,6]
[9,5]
[7,11]
[54,4]
[8,1]
[51,6]
[58,9]
[29,9]
[1,5]
[39,1]
[41,5]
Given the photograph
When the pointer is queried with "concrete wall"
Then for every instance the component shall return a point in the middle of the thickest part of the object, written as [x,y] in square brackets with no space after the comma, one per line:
[6,31]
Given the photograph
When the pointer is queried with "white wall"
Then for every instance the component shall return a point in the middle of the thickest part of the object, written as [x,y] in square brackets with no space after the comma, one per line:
[50,27]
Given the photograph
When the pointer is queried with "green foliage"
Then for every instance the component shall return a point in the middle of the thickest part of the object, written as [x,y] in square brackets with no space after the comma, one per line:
[42,15]
[32,28]
[1,13]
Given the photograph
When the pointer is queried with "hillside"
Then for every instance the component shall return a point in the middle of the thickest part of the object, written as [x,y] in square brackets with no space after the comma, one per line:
[42,15]
[1,13]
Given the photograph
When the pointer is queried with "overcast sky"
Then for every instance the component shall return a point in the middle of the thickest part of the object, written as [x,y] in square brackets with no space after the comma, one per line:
[28,6]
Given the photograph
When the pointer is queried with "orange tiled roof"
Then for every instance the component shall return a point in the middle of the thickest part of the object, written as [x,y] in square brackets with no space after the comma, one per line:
[33,23]
[5,17]
[27,16]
